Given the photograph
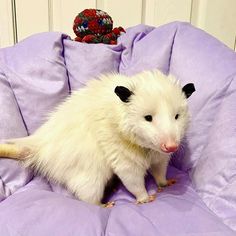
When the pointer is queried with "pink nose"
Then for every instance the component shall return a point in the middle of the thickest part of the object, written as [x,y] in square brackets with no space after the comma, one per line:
[172,147]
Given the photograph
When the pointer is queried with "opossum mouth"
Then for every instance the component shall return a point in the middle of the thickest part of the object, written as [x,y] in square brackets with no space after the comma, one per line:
[149,145]
[169,149]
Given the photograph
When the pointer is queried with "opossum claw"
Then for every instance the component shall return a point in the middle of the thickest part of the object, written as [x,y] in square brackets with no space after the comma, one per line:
[171,182]
[108,204]
[151,198]
[160,189]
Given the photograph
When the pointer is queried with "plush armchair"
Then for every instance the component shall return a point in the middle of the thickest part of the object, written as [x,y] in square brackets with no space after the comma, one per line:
[39,72]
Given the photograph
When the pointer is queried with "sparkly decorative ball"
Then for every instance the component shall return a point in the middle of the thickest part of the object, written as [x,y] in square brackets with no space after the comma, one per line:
[95,26]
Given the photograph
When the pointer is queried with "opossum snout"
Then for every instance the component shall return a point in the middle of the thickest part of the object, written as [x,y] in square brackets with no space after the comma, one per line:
[169,147]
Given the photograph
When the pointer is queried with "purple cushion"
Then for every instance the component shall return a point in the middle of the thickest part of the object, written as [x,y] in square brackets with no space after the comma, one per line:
[37,73]
[211,141]
[36,70]
[36,210]
[86,61]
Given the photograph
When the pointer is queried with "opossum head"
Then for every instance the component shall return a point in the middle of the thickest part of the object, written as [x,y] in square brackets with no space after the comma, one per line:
[154,112]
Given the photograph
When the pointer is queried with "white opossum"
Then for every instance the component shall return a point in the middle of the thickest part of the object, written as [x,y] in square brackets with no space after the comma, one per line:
[115,125]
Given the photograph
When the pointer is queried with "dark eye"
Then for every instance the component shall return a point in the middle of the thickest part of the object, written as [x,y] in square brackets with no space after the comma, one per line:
[148,118]
[176,116]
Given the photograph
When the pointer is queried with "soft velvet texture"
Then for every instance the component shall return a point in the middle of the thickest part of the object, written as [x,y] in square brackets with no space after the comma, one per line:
[40,71]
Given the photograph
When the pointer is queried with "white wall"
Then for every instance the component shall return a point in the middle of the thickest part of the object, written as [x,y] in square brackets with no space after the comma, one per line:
[21,18]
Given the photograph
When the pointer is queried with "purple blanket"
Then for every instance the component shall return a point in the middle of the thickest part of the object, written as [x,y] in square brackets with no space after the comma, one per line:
[40,71]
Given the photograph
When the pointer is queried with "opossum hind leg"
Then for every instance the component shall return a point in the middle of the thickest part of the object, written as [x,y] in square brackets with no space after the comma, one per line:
[89,188]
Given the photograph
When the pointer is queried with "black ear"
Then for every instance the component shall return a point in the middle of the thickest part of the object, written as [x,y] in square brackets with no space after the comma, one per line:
[188,89]
[123,93]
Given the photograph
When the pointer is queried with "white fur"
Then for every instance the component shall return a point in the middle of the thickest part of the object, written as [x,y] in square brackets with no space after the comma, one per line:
[93,134]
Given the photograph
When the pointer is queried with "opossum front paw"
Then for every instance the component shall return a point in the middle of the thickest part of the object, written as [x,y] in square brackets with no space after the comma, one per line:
[149,198]
[166,183]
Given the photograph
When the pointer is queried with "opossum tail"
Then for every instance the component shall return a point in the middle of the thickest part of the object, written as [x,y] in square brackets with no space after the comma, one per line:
[15,149]
[10,151]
